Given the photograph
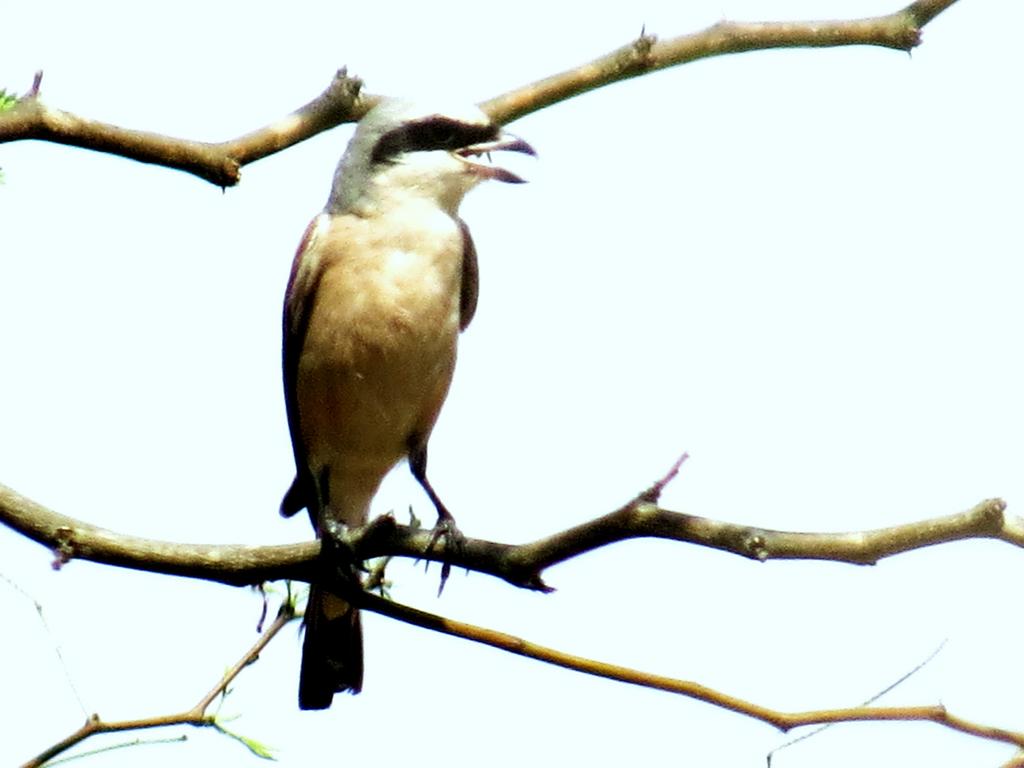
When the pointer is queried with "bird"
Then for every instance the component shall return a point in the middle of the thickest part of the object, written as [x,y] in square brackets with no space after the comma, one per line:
[384,280]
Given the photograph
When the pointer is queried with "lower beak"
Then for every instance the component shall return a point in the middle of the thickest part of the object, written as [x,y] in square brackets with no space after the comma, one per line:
[505,142]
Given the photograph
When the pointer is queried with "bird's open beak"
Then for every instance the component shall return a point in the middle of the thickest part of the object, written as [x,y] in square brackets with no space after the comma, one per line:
[505,142]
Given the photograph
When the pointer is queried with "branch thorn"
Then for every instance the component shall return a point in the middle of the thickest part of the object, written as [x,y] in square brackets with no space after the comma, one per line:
[652,494]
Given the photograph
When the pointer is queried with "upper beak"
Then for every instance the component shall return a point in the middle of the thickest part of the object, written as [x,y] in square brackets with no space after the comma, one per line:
[506,142]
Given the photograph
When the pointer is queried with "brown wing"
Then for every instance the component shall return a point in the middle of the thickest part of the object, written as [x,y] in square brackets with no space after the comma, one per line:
[298,304]
[332,649]
[470,278]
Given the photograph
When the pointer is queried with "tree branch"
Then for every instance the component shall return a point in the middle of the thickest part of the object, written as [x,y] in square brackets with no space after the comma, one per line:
[234,564]
[341,102]
[784,721]
[519,564]
[196,715]
[218,163]
[646,54]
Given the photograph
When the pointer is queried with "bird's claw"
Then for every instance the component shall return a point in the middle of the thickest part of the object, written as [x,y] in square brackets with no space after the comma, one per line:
[454,541]
[446,529]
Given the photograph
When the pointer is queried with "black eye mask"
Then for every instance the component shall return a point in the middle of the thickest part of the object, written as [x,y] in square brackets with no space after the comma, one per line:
[431,133]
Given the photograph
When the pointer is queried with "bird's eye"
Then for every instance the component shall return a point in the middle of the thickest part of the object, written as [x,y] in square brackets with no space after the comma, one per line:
[436,134]
[441,136]
[430,134]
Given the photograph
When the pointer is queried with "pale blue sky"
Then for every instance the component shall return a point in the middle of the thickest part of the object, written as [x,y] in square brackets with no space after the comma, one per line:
[802,267]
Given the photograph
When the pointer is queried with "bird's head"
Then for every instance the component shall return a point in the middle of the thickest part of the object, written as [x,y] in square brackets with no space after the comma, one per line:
[403,150]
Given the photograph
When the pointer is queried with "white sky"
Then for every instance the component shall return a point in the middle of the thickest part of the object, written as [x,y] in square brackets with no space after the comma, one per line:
[803,267]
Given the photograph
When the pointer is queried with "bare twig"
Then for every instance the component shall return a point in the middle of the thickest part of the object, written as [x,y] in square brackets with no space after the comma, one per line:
[220,163]
[784,721]
[518,564]
[195,716]
[871,700]
[238,565]
[57,650]
[139,742]
[900,30]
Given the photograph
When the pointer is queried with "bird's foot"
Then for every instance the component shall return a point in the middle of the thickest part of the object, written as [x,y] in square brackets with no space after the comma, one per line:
[446,529]
[454,541]
[338,559]
[338,535]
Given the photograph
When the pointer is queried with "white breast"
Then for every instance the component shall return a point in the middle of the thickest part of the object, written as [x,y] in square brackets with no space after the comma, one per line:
[379,352]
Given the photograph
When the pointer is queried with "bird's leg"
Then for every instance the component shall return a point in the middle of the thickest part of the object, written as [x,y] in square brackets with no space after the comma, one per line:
[336,552]
[445,526]
[333,532]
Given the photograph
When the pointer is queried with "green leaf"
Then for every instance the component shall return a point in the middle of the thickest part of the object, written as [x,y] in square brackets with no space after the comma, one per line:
[258,748]
[7,100]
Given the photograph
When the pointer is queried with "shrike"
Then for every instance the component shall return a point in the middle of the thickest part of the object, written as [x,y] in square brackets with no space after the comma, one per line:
[384,280]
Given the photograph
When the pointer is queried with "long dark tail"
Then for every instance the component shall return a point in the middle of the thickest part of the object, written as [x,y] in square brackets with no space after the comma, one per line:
[332,650]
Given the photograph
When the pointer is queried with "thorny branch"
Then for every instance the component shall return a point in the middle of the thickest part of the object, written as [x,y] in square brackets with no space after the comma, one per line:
[341,102]
[523,566]
[519,564]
